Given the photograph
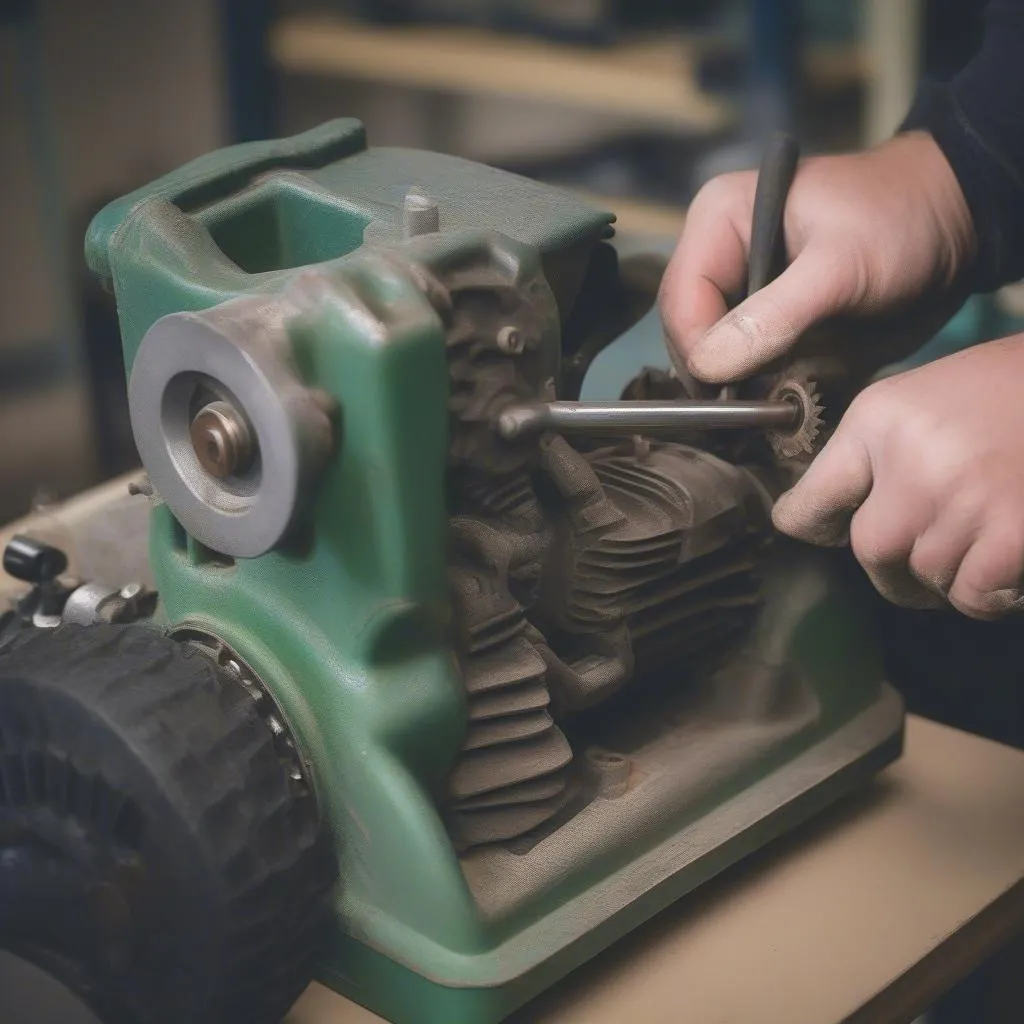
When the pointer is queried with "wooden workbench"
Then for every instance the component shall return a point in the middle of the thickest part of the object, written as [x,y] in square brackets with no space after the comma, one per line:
[868,913]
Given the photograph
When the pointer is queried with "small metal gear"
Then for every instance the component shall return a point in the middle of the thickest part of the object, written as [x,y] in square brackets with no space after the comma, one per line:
[268,709]
[799,441]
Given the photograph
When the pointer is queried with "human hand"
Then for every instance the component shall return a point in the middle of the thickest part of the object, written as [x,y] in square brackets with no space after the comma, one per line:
[869,234]
[925,478]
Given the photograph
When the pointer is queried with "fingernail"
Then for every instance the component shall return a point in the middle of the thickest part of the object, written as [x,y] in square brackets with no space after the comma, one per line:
[724,351]
[938,582]
[1005,601]
[782,512]
[713,356]
[789,516]
[993,605]
[911,595]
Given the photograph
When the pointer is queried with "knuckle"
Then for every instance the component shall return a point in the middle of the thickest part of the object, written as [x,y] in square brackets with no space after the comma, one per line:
[836,278]
[874,559]
[722,194]
[902,589]
[1008,541]
[989,581]
[872,405]
[977,579]
[859,279]
[878,545]
[985,604]
[934,569]
[916,597]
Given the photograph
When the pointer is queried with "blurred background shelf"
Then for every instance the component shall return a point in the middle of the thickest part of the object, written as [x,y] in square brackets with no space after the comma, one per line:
[628,115]
[639,216]
[652,80]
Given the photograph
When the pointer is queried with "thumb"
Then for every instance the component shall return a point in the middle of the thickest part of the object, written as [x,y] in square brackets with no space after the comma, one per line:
[769,322]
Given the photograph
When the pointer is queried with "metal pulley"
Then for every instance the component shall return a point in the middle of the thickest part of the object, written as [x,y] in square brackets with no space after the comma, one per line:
[231,437]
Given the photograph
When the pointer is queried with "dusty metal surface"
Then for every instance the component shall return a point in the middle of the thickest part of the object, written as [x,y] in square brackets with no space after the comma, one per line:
[576,570]
[234,480]
[104,533]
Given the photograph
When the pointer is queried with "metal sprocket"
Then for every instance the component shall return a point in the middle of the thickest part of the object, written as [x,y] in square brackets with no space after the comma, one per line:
[801,441]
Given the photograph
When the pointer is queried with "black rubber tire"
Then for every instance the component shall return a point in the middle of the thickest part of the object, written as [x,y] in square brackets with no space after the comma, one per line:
[155,857]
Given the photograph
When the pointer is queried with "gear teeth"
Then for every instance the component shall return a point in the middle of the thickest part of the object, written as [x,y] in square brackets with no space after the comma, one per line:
[802,441]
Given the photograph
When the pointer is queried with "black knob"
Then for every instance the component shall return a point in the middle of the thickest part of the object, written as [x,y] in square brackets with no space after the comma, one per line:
[32,561]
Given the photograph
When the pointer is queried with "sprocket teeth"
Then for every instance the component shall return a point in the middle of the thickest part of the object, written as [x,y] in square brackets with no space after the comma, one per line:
[802,441]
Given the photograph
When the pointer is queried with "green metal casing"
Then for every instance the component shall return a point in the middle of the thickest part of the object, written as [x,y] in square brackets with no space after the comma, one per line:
[350,629]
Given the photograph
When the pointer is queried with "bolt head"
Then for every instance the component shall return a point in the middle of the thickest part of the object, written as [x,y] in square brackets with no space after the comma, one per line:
[511,340]
[222,440]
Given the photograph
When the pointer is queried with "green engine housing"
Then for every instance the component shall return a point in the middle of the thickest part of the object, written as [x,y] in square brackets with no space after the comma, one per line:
[298,279]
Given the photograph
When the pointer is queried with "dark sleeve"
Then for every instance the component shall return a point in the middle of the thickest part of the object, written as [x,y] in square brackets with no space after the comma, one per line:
[977,119]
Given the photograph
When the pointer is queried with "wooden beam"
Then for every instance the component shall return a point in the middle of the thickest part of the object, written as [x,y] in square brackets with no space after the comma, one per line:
[653,80]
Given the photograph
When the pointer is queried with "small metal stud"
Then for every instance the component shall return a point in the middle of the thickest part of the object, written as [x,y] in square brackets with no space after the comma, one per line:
[222,440]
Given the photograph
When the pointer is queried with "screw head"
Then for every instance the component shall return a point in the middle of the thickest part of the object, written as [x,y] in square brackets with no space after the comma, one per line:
[222,440]
[511,340]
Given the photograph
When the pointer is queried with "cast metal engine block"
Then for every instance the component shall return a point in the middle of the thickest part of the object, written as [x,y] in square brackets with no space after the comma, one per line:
[576,570]
[593,573]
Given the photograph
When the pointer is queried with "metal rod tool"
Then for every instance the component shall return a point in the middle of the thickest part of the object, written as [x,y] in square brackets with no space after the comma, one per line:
[767,257]
[645,417]
[767,240]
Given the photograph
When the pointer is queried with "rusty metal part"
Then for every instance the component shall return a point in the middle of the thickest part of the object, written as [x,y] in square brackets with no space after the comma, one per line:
[510,340]
[222,440]
[585,572]
[96,602]
[799,441]
[502,345]
[643,417]
[610,770]
[143,487]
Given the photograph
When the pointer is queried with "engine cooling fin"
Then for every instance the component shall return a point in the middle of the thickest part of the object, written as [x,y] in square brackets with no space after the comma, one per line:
[610,565]
[678,562]
[512,773]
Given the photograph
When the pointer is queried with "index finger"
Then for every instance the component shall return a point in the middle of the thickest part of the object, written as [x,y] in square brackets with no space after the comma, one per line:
[819,508]
[709,264]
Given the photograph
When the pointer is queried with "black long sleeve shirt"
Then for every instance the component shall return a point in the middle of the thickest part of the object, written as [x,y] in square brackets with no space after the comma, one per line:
[977,120]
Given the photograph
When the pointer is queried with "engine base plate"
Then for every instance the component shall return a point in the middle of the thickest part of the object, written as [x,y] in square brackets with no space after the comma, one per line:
[490,985]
